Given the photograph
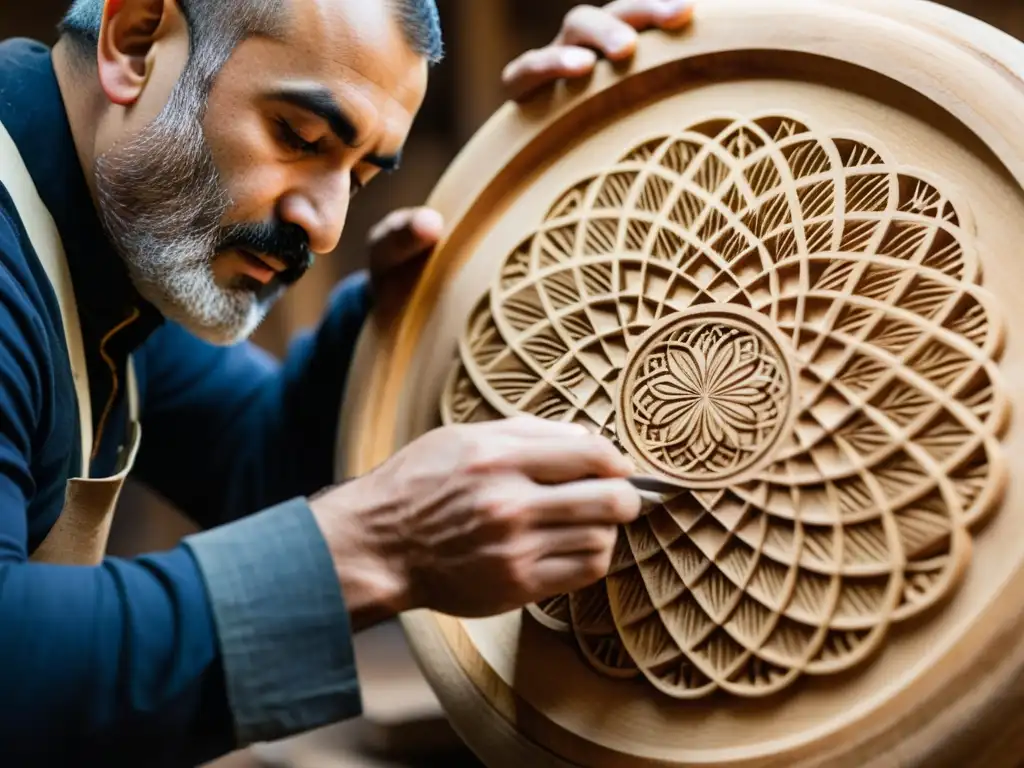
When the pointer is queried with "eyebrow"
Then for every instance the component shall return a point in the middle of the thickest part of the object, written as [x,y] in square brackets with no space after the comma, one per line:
[321,102]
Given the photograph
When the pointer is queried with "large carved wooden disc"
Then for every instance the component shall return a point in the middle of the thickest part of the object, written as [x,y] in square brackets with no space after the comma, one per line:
[773,260]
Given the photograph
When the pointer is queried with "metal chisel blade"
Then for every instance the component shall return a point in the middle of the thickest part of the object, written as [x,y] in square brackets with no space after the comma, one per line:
[656,485]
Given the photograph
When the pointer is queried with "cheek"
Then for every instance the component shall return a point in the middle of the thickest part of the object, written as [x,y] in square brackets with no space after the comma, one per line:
[249,169]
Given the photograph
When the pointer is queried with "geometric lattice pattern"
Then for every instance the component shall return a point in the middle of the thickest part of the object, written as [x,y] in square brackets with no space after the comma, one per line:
[796,323]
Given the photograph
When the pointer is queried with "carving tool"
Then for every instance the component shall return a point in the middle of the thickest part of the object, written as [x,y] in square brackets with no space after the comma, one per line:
[656,489]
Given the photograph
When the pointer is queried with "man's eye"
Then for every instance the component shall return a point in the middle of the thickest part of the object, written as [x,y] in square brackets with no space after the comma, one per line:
[291,137]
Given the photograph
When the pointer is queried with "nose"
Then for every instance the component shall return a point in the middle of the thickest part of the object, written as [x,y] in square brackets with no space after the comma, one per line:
[320,209]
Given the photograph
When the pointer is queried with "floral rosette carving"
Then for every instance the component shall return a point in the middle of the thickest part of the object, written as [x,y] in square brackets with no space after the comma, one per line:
[793,325]
[706,394]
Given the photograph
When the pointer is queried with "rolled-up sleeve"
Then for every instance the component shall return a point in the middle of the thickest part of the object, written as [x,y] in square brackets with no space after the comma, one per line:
[282,625]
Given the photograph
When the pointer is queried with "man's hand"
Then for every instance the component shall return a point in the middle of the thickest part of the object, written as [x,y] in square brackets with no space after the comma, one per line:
[587,31]
[478,519]
[401,242]
[399,245]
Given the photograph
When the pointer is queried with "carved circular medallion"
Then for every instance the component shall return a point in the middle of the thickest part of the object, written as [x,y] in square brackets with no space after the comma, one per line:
[842,182]
[705,395]
[791,323]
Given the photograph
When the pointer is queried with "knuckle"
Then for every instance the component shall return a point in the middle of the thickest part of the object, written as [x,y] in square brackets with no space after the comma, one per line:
[577,430]
[600,540]
[523,419]
[504,512]
[578,16]
[582,428]
[602,449]
[519,574]
[647,7]
[595,567]
[507,514]
[479,457]
[609,538]
[624,501]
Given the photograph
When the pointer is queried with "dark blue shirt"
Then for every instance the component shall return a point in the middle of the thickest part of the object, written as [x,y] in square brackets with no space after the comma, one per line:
[239,634]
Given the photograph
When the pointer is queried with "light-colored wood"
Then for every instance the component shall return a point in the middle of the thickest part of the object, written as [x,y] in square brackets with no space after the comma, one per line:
[673,302]
[928,670]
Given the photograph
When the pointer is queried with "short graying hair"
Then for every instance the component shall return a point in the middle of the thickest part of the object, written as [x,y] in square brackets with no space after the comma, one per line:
[222,24]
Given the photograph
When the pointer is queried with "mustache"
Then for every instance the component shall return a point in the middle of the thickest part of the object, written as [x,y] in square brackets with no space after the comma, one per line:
[285,241]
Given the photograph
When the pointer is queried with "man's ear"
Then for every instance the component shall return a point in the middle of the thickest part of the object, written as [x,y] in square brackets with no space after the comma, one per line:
[130,37]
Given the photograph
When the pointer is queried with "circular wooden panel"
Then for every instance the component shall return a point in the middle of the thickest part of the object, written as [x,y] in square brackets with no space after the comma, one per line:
[773,259]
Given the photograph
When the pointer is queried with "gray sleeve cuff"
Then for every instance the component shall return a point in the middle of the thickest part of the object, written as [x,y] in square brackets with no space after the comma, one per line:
[281,621]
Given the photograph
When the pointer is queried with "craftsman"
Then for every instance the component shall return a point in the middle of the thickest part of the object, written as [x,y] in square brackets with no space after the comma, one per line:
[166,171]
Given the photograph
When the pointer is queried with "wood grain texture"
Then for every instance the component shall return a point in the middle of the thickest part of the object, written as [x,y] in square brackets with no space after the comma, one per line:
[673,302]
[846,207]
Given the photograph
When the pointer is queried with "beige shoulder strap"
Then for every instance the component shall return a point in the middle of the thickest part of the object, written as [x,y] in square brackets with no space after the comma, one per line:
[42,232]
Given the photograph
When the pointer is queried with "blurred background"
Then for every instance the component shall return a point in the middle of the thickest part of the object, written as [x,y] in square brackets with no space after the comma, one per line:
[403,725]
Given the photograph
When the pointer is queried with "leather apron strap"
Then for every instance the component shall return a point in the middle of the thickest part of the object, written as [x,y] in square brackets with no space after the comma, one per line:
[80,534]
[42,233]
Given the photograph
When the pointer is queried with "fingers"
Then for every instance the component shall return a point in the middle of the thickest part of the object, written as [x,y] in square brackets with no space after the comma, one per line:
[577,541]
[596,28]
[588,31]
[419,222]
[644,14]
[556,458]
[568,573]
[545,451]
[530,426]
[612,29]
[534,69]
[570,56]
[403,235]
[563,460]
[586,503]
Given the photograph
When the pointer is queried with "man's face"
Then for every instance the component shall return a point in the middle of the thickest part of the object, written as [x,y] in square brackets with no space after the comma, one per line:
[217,210]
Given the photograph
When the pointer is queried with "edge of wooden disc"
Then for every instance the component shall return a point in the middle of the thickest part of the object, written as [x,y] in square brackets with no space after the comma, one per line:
[970,712]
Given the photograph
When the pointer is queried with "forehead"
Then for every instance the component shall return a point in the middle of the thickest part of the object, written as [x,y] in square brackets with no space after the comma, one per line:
[354,48]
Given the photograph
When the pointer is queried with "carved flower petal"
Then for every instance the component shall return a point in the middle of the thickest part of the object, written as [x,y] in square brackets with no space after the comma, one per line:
[722,363]
[736,415]
[685,427]
[688,365]
[722,427]
[672,411]
[671,388]
[738,375]
[743,395]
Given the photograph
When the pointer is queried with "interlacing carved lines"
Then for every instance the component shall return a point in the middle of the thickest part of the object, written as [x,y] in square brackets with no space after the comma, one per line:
[869,272]
[747,576]
[677,194]
[732,604]
[705,396]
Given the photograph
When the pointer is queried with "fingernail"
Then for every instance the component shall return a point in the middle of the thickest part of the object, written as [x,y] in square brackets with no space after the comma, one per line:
[429,220]
[578,58]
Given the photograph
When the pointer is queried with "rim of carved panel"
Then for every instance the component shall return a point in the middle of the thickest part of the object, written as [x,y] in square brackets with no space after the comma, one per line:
[989,102]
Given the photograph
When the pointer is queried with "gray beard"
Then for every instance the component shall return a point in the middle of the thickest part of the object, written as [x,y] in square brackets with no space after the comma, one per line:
[162,203]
